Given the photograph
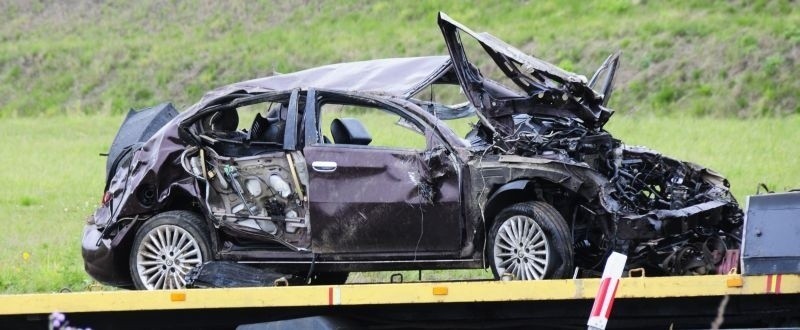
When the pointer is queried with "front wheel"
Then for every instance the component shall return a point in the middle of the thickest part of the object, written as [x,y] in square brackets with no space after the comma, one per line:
[530,241]
[166,247]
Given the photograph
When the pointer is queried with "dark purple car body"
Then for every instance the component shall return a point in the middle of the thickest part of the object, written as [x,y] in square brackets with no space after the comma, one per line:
[537,170]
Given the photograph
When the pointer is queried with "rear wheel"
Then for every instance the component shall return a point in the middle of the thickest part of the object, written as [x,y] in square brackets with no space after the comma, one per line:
[166,247]
[530,241]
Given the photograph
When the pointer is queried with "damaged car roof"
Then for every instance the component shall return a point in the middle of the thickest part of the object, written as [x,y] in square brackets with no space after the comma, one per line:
[402,77]
[395,76]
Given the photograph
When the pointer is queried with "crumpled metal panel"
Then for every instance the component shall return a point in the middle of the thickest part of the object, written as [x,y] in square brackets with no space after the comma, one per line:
[138,126]
[561,94]
[221,274]
[530,63]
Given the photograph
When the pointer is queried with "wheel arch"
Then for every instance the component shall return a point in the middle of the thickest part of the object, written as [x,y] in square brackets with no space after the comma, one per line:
[182,200]
[525,190]
[176,200]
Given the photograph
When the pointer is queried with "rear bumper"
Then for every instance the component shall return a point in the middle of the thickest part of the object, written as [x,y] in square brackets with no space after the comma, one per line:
[104,264]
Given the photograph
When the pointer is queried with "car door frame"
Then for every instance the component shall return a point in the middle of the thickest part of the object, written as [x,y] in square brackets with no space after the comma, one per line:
[189,130]
[311,138]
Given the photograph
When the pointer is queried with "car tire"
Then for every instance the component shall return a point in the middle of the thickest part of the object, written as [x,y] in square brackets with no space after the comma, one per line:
[166,247]
[530,241]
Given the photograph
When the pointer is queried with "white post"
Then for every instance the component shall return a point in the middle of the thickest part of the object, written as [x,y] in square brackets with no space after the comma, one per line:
[604,299]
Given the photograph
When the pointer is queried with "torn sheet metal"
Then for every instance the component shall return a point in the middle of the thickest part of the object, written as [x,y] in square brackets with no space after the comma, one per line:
[220,274]
[137,127]
[663,212]
[548,89]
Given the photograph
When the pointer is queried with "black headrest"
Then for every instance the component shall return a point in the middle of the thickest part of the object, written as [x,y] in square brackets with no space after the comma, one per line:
[225,120]
[268,129]
[349,131]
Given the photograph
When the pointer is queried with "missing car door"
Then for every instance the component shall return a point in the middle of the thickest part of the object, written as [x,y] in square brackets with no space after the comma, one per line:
[253,186]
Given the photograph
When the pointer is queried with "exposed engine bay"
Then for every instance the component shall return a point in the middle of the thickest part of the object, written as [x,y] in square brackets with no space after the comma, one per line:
[670,217]
[258,196]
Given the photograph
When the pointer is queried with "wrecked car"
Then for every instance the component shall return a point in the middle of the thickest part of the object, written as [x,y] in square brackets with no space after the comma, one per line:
[279,173]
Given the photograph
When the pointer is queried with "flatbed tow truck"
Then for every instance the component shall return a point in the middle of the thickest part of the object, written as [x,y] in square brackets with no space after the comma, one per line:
[642,302]
[678,302]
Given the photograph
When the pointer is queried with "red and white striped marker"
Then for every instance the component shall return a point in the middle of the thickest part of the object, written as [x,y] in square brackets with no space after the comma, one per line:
[601,309]
[334,296]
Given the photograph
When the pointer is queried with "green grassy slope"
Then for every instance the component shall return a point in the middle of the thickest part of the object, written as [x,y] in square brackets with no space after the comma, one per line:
[724,58]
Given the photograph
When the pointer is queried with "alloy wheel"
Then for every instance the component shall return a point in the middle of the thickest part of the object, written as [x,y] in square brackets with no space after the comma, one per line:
[521,249]
[164,257]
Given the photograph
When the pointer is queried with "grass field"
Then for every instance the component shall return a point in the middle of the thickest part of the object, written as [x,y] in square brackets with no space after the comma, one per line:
[51,178]
[724,58]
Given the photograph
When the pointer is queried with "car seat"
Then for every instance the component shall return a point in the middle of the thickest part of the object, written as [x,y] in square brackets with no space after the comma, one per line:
[349,131]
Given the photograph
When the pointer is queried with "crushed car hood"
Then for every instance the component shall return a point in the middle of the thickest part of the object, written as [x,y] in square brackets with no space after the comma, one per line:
[530,63]
[557,91]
